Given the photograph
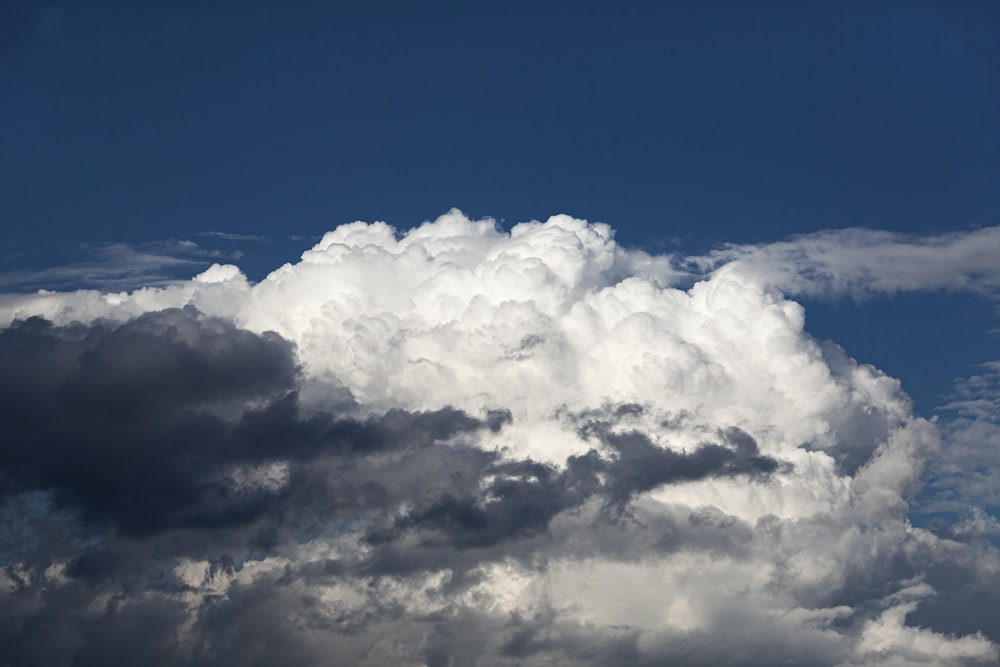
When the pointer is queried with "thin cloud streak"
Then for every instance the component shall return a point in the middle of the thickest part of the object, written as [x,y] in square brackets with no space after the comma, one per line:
[230,236]
[122,267]
[864,263]
[118,266]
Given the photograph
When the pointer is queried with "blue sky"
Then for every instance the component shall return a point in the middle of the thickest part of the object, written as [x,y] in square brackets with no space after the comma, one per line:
[683,125]
[690,121]
[840,155]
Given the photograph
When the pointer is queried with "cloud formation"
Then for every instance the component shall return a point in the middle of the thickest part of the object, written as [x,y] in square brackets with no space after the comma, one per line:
[113,266]
[460,445]
[862,263]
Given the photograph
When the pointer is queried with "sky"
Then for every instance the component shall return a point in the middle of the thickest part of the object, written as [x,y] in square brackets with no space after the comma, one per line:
[555,333]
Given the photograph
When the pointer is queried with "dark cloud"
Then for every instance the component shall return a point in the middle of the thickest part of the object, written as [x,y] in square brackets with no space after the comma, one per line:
[122,421]
[119,447]
[640,465]
[137,423]
[134,430]
[133,450]
[486,508]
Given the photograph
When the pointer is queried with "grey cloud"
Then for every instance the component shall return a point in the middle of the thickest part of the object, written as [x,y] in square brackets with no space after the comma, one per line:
[641,465]
[115,419]
[497,500]
[127,430]
[136,422]
[116,440]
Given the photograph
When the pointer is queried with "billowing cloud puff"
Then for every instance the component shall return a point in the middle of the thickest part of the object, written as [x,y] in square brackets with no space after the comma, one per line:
[462,445]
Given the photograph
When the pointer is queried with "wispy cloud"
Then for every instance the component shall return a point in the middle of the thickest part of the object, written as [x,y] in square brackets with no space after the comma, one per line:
[229,236]
[112,266]
[862,263]
[121,266]
[966,477]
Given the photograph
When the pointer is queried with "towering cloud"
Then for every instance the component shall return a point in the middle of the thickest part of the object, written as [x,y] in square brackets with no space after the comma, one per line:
[460,445]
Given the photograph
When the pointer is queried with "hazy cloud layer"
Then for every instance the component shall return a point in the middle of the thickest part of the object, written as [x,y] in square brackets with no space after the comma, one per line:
[461,445]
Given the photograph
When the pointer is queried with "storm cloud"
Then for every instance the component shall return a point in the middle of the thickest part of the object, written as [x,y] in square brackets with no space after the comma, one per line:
[463,445]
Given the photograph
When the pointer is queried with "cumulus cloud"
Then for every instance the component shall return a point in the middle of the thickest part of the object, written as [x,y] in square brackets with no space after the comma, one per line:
[464,445]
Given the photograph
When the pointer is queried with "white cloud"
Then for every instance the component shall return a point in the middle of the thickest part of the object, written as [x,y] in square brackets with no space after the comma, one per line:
[862,263]
[558,324]
[887,640]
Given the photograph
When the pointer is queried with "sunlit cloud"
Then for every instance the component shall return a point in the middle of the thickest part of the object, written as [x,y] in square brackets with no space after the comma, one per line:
[459,444]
